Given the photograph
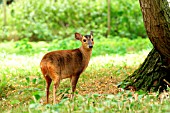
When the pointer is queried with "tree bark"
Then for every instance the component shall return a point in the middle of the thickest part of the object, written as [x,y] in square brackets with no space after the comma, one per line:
[4,10]
[108,19]
[156,16]
[153,74]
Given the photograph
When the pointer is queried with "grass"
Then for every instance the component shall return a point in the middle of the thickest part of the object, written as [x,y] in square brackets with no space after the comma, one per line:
[22,87]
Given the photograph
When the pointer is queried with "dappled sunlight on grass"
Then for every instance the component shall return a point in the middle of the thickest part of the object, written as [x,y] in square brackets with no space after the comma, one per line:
[18,61]
[101,77]
[105,72]
[118,60]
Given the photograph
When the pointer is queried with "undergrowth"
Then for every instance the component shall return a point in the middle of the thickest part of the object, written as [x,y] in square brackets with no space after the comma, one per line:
[22,87]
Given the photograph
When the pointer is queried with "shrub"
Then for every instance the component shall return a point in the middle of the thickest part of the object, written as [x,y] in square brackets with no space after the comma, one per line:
[47,19]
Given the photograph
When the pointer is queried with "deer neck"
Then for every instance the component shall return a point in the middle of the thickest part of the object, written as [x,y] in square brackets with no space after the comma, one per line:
[86,54]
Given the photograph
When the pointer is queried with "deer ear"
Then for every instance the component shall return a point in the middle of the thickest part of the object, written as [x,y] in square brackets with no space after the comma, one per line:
[78,36]
[91,33]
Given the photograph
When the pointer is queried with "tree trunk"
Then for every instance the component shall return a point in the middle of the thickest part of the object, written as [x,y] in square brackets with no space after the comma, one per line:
[4,10]
[153,74]
[108,18]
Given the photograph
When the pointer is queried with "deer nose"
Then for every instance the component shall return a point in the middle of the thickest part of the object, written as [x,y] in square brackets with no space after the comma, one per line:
[90,46]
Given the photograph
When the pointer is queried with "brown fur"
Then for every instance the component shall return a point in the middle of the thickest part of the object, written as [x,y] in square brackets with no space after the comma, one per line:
[58,65]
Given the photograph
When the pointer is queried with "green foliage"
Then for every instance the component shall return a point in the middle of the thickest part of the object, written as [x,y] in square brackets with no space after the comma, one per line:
[24,46]
[103,46]
[127,19]
[122,102]
[47,20]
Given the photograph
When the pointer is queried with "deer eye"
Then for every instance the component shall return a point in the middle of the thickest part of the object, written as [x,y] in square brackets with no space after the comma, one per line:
[92,39]
[84,40]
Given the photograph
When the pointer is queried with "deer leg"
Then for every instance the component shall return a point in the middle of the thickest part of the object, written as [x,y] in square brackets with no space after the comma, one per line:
[48,83]
[56,84]
[74,80]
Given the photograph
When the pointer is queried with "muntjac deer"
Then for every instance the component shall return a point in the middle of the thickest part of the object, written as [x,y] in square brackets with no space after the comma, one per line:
[58,65]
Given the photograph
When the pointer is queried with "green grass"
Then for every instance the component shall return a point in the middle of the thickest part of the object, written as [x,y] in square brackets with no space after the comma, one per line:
[22,86]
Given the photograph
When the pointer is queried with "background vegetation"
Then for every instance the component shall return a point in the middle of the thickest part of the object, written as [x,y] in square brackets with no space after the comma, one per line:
[47,20]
